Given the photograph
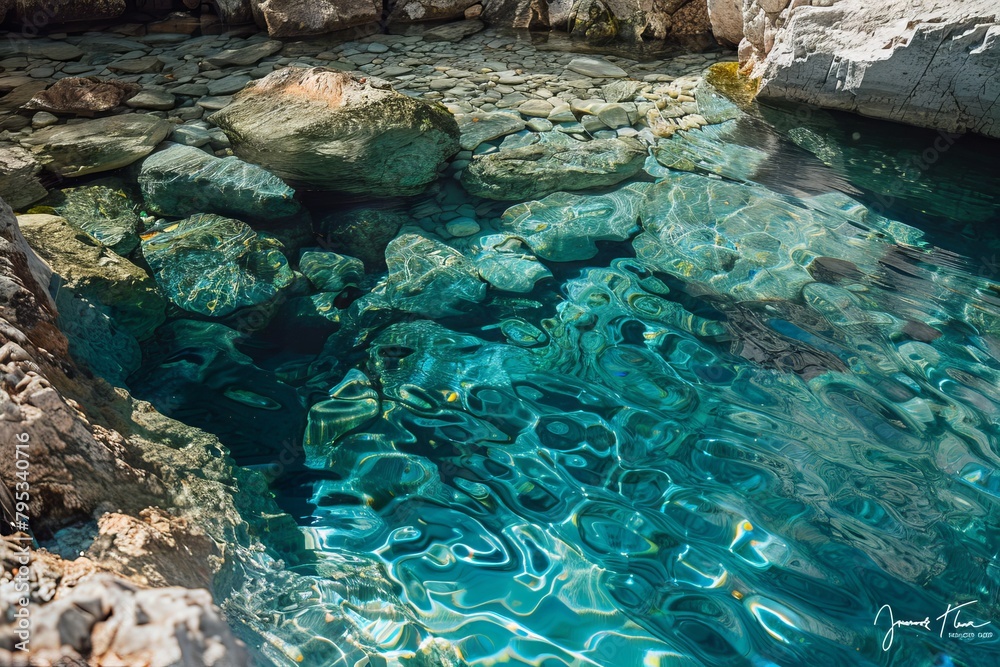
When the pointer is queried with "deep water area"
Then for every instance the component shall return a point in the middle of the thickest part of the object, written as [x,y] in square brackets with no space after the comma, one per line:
[719,414]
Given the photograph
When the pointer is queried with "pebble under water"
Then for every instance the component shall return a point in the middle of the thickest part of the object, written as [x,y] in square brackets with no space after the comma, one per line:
[709,417]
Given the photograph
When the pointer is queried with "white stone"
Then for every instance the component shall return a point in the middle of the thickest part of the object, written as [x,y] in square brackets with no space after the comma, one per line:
[922,62]
[596,67]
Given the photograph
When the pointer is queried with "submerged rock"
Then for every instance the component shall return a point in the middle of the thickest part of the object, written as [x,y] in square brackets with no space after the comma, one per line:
[479,127]
[97,145]
[83,96]
[211,265]
[454,32]
[505,263]
[426,277]
[330,130]
[104,209]
[183,180]
[330,272]
[363,233]
[351,404]
[549,166]
[563,226]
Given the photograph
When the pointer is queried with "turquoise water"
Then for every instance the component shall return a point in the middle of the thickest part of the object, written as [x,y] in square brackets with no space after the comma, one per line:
[691,420]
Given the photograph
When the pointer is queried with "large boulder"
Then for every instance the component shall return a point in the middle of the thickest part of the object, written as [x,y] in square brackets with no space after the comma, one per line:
[97,145]
[330,130]
[287,18]
[527,14]
[536,170]
[39,13]
[183,180]
[726,18]
[234,11]
[923,62]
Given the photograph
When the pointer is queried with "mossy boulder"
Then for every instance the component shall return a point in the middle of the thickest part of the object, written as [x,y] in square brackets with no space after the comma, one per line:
[87,267]
[330,130]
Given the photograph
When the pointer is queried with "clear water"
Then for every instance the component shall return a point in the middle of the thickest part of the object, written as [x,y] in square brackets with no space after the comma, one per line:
[726,435]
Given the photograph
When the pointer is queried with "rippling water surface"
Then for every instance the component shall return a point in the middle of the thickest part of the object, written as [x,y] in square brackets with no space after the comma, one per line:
[712,421]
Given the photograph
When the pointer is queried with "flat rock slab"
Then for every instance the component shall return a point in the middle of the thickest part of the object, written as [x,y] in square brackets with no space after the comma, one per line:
[454,32]
[182,181]
[21,95]
[111,44]
[553,165]
[247,55]
[479,127]
[597,68]
[228,85]
[214,103]
[157,100]
[97,145]
[39,48]
[141,65]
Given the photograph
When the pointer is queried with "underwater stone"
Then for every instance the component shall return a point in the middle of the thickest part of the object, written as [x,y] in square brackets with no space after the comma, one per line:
[426,277]
[550,166]
[479,127]
[96,338]
[332,131]
[746,242]
[315,311]
[711,149]
[212,265]
[563,226]
[352,403]
[104,209]
[363,233]
[505,263]
[330,272]
[183,180]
